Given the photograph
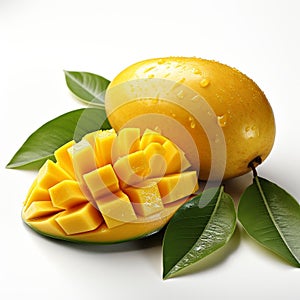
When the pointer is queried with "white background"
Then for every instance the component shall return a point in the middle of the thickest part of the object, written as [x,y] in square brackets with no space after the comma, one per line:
[39,39]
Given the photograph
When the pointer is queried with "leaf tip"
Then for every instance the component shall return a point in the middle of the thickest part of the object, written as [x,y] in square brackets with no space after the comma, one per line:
[66,72]
[166,276]
[10,165]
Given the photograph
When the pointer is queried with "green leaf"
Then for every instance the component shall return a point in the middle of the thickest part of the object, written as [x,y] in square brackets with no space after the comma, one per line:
[87,87]
[198,228]
[41,144]
[272,217]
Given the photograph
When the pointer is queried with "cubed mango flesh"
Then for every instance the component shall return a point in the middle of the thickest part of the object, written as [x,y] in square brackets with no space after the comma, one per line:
[116,209]
[39,209]
[110,187]
[102,181]
[50,174]
[104,141]
[132,168]
[38,193]
[127,141]
[83,157]
[177,186]
[63,158]
[145,198]
[67,194]
[155,155]
[151,136]
[79,219]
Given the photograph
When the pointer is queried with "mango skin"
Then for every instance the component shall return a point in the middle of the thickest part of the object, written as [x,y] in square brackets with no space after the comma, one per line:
[240,109]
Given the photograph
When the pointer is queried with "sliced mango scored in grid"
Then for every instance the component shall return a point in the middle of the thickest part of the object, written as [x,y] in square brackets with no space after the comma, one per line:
[110,187]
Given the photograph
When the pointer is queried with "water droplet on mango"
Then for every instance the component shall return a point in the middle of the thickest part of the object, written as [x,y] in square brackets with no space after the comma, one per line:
[196,71]
[251,132]
[192,122]
[149,69]
[204,82]
[161,61]
[222,120]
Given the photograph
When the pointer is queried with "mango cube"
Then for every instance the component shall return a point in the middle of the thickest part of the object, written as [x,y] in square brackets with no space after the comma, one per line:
[127,141]
[83,157]
[63,159]
[39,209]
[177,186]
[172,157]
[103,146]
[151,136]
[91,137]
[66,194]
[50,174]
[38,193]
[145,198]
[132,168]
[80,219]
[155,155]
[116,209]
[48,225]
[102,181]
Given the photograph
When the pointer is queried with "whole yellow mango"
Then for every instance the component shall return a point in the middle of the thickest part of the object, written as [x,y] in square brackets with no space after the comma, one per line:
[217,115]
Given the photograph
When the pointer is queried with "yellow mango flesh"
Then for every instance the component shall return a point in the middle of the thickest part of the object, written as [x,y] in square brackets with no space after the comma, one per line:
[116,209]
[146,198]
[63,158]
[79,219]
[110,187]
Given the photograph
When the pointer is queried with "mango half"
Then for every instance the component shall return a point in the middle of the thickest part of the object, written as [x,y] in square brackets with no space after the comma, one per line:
[110,187]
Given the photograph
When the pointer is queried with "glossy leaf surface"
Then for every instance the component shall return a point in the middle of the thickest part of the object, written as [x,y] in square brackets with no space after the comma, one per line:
[198,228]
[87,87]
[272,217]
[42,143]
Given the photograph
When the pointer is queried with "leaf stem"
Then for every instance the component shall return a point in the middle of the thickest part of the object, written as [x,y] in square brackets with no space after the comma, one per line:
[253,163]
